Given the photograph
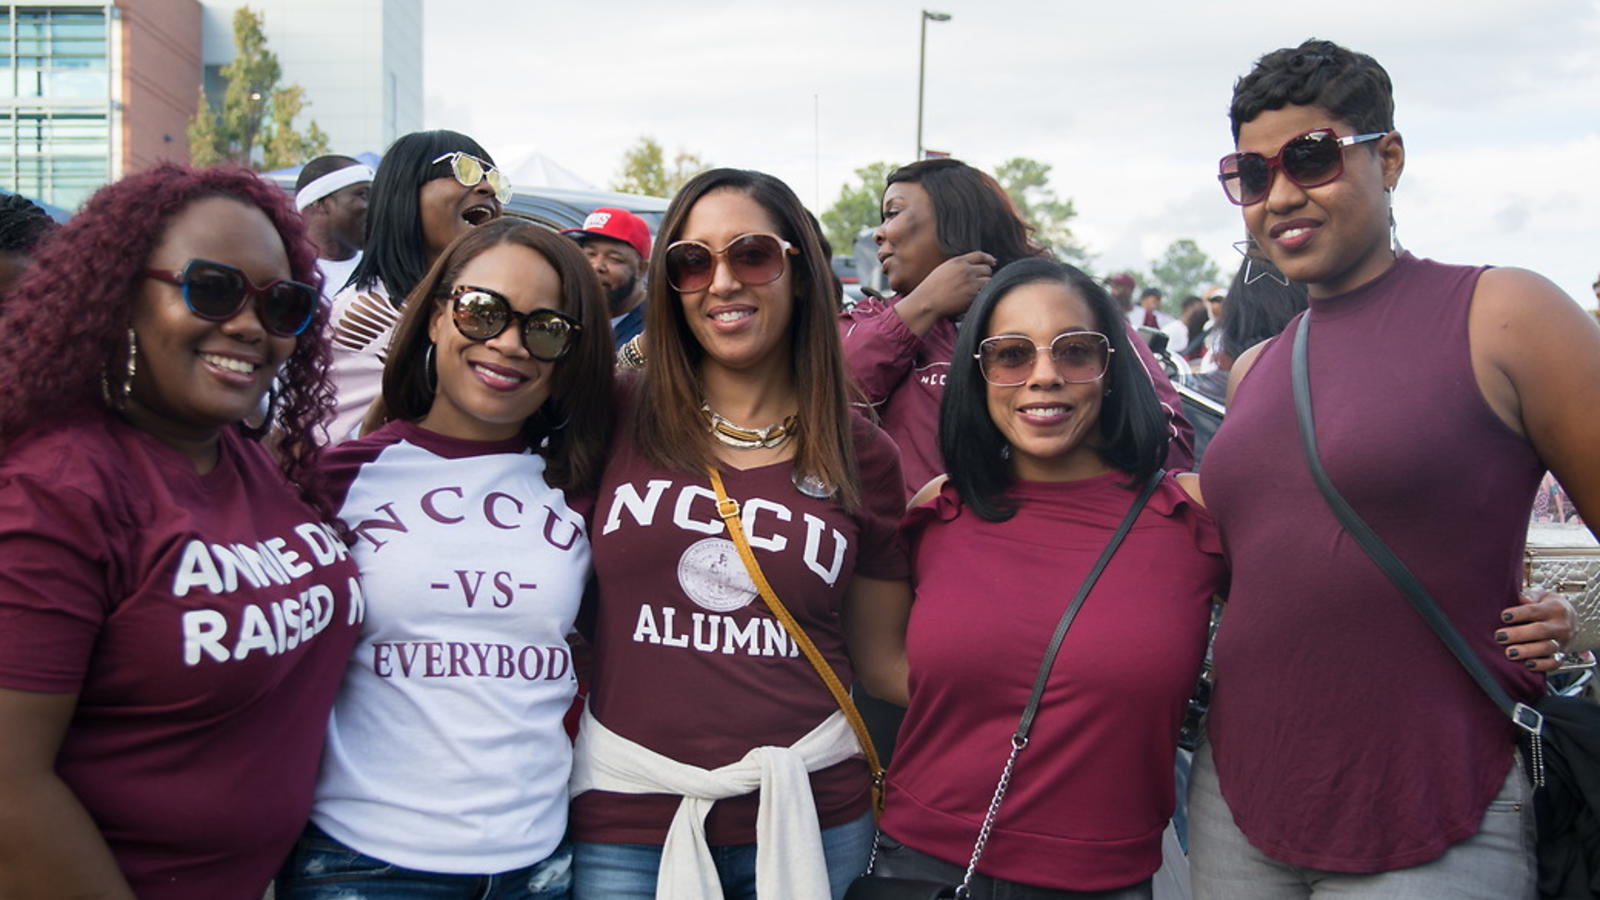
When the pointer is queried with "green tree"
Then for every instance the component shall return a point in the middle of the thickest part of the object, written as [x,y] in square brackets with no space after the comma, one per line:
[645,169]
[1182,270]
[1028,183]
[256,112]
[857,207]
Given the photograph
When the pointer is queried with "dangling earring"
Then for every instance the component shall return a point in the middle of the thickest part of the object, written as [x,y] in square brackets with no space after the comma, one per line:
[119,398]
[1394,236]
[430,370]
[1252,255]
[1005,451]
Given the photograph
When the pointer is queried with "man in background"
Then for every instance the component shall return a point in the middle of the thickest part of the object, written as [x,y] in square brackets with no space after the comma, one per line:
[331,194]
[617,243]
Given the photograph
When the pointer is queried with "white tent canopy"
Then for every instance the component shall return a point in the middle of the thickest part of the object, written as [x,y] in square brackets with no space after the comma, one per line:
[527,167]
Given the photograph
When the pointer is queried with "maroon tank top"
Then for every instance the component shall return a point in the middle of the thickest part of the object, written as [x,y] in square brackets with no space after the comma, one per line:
[1346,736]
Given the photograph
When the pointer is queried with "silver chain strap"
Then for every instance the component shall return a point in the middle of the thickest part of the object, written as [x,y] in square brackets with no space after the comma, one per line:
[965,889]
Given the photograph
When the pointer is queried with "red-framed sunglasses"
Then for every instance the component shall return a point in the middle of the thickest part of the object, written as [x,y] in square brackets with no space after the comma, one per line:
[1309,160]
[217,292]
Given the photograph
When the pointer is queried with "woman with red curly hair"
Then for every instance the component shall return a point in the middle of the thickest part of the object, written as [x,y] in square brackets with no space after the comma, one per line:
[174,612]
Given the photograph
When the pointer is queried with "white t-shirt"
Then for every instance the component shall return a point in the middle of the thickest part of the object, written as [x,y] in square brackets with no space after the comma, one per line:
[335,272]
[446,750]
[359,328]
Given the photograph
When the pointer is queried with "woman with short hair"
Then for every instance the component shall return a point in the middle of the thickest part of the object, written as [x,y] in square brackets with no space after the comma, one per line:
[1350,754]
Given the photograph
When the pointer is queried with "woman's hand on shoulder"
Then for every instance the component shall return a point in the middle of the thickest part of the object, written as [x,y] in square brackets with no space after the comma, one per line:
[1190,482]
[947,291]
[928,491]
[1537,631]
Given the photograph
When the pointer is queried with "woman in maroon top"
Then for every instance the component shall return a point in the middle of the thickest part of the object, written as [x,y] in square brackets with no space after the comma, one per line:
[946,228]
[1049,426]
[174,613]
[696,685]
[1349,753]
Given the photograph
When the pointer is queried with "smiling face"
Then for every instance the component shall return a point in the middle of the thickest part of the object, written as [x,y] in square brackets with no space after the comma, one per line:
[196,376]
[1334,237]
[488,389]
[1053,427]
[741,327]
[908,239]
[448,209]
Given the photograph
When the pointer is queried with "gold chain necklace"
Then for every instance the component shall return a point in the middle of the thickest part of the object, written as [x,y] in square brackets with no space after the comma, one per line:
[742,438]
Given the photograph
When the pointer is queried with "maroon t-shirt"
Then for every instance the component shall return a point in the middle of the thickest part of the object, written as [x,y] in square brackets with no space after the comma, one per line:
[1093,790]
[1346,736]
[203,621]
[688,660]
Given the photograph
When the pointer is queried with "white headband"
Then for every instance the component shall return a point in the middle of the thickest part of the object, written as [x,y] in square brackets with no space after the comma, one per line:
[327,184]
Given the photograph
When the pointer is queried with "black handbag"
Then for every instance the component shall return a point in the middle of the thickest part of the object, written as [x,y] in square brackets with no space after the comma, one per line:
[1560,736]
[878,887]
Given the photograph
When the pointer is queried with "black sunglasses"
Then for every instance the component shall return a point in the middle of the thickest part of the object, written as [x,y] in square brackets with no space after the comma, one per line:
[482,315]
[217,292]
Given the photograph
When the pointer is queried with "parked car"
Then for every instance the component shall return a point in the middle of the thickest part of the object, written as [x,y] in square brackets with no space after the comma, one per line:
[560,208]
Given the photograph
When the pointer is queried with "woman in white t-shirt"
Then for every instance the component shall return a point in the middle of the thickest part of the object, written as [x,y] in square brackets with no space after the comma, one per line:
[446,766]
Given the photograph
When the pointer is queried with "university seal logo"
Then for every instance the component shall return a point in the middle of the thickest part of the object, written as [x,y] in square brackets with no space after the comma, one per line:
[714,577]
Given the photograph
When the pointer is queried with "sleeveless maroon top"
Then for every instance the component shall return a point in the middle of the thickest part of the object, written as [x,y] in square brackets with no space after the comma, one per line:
[1347,738]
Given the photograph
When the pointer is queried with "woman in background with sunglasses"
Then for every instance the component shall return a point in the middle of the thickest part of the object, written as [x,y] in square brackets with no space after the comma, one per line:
[430,188]
[1349,753]
[174,613]
[1049,428]
[692,671]
[946,228]
[446,769]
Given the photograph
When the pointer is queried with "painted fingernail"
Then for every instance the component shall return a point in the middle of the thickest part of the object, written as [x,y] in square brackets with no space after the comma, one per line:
[1531,664]
[1501,636]
[1512,653]
[1505,617]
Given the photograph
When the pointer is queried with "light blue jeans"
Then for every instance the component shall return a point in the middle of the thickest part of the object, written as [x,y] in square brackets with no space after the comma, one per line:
[628,871]
[1497,863]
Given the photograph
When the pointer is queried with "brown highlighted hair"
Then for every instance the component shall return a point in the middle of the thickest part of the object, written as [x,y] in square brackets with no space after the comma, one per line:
[668,426]
[577,417]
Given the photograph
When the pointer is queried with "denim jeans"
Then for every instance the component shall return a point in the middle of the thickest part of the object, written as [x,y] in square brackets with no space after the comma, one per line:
[628,871]
[321,868]
[896,860]
[1497,863]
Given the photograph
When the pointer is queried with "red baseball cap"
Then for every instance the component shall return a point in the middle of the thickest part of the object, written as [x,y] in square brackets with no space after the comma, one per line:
[617,225]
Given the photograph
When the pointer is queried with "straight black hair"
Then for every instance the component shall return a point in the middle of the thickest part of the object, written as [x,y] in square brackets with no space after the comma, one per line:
[394,253]
[1133,428]
[971,211]
[1260,308]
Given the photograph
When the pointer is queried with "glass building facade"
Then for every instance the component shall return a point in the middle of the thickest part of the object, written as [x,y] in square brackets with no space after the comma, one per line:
[55,101]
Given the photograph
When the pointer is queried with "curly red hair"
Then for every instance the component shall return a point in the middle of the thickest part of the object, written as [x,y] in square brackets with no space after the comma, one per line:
[66,321]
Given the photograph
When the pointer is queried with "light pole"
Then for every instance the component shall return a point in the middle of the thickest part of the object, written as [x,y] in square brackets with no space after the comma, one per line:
[922,68]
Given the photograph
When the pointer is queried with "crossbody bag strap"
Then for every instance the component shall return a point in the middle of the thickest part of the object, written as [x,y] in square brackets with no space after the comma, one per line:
[728,509]
[1019,738]
[1526,717]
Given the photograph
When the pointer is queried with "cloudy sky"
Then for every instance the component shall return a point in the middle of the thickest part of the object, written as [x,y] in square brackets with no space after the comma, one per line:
[1499,103]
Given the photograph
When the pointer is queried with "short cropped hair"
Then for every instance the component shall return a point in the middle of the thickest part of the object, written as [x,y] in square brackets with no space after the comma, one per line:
[1349,85]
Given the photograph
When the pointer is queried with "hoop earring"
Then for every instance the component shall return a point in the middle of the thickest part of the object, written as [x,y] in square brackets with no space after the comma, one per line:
[119,398]
[1252,253]
[430,369]
[257,432]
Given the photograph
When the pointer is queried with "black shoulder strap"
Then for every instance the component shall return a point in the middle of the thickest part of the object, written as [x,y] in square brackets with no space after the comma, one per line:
[1380,553]
[1032,709]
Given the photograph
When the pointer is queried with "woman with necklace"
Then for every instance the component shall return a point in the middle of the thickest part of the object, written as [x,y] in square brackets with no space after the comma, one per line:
[692,670]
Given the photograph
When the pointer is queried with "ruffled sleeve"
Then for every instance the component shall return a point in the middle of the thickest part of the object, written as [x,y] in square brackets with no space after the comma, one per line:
[1172,501]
